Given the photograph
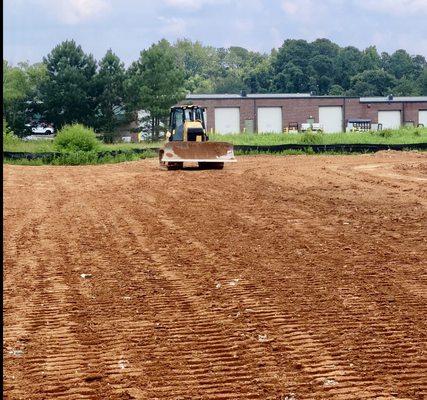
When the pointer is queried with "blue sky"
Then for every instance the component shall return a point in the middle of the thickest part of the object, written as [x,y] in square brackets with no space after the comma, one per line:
[33,27]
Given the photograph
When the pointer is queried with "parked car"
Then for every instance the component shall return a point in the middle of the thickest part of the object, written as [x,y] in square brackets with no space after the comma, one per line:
[40,131]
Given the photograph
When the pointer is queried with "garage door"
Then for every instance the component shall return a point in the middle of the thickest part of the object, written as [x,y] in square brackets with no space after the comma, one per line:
[422,117]
[331,119]
[269,119]
[227,120]
[389,119]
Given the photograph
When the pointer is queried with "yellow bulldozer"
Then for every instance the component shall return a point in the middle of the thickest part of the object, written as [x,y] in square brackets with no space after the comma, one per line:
[188,141]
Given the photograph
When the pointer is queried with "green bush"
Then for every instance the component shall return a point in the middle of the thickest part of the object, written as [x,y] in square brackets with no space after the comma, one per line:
[76,138]
[386,133]
[9,138]
[312,138]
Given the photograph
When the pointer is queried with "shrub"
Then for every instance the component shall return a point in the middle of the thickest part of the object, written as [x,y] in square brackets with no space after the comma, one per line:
[76,138]
[312,138]
[9,138]
[386,133]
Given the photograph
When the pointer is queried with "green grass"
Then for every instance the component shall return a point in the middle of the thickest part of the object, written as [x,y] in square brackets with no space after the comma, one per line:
[23,161]
[47,146]
[400,136]
[83,158]
[39,146]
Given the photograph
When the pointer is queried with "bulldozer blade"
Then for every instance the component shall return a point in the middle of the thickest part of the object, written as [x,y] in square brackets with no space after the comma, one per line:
[218,152]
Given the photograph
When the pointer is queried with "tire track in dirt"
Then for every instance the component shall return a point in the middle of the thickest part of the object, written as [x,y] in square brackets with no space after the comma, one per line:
[244,283]
[43,317]
[168,223]
[365,304]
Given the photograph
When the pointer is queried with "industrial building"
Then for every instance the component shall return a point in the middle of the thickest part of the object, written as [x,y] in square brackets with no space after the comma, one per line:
[251,113]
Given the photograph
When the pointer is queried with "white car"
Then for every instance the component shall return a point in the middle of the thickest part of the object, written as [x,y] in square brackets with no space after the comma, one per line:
[40,132]
[43,130]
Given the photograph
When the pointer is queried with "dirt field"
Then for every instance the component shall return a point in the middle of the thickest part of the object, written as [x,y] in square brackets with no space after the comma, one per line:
[301,277]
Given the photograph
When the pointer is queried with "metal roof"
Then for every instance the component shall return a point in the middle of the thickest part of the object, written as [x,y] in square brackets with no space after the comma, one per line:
[393,100]
[213,96]
[249,96]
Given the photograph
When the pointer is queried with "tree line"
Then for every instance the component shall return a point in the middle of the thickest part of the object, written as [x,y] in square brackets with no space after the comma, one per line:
[71,86]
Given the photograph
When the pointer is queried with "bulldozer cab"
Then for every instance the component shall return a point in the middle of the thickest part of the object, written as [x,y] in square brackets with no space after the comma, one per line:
[187,124]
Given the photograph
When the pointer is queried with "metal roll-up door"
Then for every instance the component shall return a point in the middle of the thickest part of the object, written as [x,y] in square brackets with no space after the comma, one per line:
[389,119]
[227,120]
[331,119]
[269,119]
[422,117]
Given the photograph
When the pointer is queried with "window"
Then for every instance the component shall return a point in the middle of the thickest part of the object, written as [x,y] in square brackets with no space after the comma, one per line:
[178,118]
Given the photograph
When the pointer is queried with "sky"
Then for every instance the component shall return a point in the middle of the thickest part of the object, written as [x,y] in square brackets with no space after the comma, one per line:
[31,28]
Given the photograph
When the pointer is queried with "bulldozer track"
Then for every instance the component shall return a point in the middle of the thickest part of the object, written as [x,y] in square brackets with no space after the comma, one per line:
[277,278]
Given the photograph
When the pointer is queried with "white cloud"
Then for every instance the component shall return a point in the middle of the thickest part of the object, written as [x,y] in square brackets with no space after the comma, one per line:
[244,25]
[73,12]
[173,26]
[193,5]
[305,8]
[396,7]
[293,7]
[307,11]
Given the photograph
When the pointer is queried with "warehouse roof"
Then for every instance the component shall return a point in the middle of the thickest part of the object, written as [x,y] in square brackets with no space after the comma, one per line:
[387,99]
[392,99]
[250,96]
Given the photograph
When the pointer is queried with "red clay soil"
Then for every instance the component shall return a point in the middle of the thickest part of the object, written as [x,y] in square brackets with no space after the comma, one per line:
[299,277]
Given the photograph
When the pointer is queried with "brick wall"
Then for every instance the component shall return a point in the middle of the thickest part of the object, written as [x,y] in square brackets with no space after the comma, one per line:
[299,109]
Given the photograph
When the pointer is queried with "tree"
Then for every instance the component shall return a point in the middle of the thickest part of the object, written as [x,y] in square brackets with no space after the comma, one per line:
[370,59]
[232,82]
[291,79]
[196,59]
[259,79]
[69,94]
[110,87]
[406,87]
[299,52]
[325,48]
[348,64]
[400,64]
[291,67]
[323,69]
[200,64]
[21,92]
[336,90]
[422,83]
[372,83]
[198,84]
[158,83]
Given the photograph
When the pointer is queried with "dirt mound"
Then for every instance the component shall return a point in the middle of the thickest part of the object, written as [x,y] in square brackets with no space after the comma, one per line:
[275,278]
[412,167]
